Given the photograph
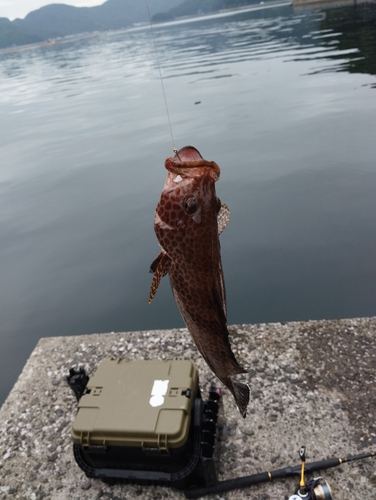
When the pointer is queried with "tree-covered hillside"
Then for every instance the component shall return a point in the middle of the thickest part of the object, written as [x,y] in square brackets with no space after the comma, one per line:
[56,20]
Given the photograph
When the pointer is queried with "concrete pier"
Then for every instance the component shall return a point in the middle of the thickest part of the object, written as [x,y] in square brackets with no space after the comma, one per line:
[312,383]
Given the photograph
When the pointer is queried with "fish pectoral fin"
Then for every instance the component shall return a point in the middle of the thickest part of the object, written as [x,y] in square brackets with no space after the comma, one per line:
[156,261]
[159,267]
[223,217]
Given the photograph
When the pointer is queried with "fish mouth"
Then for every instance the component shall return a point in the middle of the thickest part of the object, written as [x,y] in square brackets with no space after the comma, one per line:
[188,153]
[187,159]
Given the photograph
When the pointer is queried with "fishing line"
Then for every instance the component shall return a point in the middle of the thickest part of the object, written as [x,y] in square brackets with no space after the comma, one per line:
[161,79]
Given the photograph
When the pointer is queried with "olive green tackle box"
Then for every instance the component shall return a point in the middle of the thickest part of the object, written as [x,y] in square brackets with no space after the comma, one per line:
[145,422]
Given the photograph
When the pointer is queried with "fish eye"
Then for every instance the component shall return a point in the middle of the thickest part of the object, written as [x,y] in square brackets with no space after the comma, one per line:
[190,205]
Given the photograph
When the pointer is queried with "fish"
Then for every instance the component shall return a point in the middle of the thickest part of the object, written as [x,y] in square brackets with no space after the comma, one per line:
[188,220]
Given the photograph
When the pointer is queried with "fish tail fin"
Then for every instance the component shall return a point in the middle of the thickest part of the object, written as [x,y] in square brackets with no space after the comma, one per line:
[241,395]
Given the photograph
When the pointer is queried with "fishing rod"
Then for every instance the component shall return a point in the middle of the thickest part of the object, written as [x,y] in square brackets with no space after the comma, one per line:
[315,489]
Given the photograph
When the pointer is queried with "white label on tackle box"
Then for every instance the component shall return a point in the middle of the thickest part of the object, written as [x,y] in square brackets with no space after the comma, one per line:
[158,392]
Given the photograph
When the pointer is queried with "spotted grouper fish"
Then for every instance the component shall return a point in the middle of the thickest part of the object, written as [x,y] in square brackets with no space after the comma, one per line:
[189,217]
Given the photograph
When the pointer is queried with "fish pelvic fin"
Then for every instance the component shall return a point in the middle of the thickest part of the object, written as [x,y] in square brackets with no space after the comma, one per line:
[159,267]
[241,395]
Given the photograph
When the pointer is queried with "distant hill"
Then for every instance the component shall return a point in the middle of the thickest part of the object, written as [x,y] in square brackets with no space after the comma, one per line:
[15,35]
[56,20]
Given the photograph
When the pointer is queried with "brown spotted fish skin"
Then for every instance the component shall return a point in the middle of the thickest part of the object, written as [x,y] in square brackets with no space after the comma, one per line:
[186,226]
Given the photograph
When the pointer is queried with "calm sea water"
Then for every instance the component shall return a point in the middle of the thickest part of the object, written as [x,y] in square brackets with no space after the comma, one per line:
[284,100]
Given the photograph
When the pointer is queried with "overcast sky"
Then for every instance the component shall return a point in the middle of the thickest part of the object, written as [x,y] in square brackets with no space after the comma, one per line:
[20,8]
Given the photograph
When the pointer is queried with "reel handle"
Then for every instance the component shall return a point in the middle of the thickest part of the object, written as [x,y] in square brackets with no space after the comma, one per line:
[302,484]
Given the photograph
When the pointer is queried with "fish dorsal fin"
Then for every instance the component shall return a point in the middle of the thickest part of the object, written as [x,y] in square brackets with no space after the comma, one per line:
[223,217]
[159,267]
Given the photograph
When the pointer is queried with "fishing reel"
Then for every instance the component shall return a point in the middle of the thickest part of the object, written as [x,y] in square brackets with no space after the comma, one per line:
[315,489]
